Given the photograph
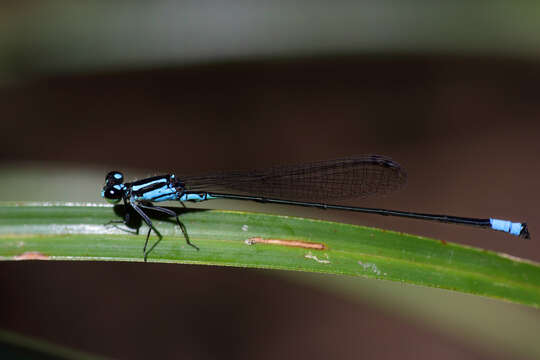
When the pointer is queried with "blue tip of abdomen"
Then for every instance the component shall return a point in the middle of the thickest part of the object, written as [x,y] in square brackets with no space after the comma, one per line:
[517,229]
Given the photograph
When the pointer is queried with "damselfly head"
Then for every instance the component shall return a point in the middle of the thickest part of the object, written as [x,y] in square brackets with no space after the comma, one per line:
[113,189]
[114,177]
[113,194]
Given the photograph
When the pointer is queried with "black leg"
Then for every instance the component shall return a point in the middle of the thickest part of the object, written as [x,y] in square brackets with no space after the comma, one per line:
[125,222]
[115,222]
[172,213]
[150,225]
[146,242]
[186,236]
[158,209]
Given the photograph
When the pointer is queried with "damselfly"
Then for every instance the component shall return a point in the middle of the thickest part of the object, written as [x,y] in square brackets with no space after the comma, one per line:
[309,184]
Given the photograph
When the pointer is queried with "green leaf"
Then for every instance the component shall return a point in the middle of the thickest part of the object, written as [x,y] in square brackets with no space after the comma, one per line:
[244,239]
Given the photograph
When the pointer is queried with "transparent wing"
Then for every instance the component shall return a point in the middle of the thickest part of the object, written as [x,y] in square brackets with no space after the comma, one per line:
[317,181]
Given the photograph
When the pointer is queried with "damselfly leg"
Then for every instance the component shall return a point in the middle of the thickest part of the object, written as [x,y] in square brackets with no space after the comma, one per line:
[126,222]
[170,213]
[151,226]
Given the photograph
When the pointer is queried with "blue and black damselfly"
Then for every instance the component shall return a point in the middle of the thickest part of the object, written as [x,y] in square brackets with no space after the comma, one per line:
[309,184]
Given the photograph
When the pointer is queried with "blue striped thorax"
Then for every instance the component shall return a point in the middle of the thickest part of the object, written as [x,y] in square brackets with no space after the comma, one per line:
[154,189]
[157,188]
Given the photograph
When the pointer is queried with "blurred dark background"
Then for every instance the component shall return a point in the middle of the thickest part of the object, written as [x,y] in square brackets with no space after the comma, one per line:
[448,91]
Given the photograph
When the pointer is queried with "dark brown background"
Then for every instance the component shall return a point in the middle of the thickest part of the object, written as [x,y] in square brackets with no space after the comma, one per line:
[466,129]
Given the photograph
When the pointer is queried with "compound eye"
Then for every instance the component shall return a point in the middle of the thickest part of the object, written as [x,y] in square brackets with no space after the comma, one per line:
[114,177]
[112,195]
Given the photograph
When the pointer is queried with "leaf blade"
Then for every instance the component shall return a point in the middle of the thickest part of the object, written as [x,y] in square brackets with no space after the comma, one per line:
[60,232]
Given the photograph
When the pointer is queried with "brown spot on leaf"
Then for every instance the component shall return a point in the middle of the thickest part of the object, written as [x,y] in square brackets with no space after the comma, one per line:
[31,255]
[291,243]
